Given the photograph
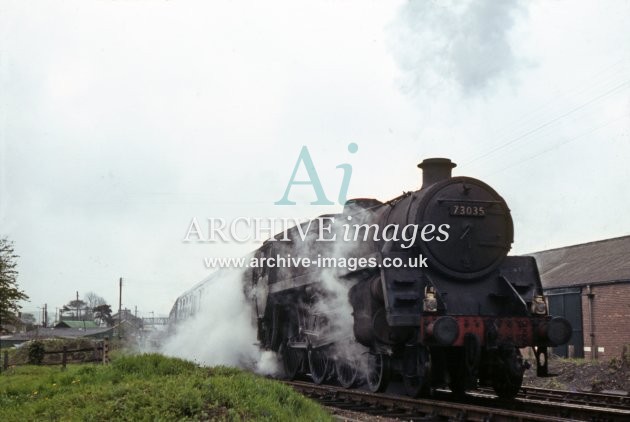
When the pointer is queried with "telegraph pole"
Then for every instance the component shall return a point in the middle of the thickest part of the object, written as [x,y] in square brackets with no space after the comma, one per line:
[119,307]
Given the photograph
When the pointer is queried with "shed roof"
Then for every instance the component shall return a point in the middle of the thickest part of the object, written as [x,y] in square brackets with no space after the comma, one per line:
[76,324]
[602,261]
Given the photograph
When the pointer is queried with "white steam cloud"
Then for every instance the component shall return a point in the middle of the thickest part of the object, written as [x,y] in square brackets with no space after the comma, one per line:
[335,303]
[451,42]
[222,331]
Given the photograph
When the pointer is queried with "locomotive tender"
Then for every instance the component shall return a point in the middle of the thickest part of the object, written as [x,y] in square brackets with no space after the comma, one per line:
[459,320]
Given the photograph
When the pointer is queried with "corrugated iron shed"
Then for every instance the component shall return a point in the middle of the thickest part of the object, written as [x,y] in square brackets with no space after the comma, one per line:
[602,261]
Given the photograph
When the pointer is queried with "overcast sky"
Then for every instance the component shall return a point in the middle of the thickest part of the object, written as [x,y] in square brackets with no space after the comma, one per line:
[120,121]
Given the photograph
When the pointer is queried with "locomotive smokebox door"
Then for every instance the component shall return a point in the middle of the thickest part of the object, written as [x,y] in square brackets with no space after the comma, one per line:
[478,222]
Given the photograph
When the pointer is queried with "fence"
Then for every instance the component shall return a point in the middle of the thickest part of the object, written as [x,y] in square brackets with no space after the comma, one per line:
[100,350]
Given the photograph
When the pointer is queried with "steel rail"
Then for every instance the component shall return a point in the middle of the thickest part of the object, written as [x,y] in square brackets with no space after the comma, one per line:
[474,407]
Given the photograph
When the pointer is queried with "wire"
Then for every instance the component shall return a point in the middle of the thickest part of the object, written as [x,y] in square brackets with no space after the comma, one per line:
[558,145]
[582,86]
[549,122]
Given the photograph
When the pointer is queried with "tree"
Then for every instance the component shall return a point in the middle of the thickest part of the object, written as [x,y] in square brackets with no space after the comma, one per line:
[103,313]
[74,307]
[91,307]
[93,300]
[10,294]
[28,319]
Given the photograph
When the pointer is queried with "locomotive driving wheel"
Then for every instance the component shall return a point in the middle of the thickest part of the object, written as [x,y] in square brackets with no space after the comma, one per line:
[507,376]
[417,367]
[347,372]
[292,360]
[378,372]
[320,365]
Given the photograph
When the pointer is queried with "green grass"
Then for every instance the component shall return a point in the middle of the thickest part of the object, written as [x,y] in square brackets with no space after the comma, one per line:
[148,388]
[577,361]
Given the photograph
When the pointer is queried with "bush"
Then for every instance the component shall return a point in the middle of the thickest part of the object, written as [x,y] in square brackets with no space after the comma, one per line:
[36,352]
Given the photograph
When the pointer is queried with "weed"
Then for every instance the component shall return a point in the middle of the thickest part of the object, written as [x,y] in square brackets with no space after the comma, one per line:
[148,387]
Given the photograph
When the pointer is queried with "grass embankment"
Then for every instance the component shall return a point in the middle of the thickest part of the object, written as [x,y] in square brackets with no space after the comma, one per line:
[147,387]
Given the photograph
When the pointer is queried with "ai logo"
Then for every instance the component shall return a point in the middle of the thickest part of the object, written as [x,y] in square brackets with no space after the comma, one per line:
[313,179]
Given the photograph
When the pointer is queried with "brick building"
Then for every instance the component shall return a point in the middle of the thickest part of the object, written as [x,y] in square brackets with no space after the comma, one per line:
[589,284]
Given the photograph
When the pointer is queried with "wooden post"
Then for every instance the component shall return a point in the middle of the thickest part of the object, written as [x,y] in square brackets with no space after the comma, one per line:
[5,361]
[120,308]
[105,351]
[64,358]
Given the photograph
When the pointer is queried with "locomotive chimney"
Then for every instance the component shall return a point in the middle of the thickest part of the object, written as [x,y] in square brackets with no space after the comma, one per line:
[435,170]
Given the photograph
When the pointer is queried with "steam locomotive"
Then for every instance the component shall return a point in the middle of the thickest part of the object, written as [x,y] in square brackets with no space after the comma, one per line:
[444,307]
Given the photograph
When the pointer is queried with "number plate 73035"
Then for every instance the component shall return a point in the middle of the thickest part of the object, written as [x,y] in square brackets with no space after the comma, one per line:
[467,210]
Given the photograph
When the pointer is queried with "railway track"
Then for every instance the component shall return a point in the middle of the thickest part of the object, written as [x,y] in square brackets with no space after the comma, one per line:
[616,401]
[479,406]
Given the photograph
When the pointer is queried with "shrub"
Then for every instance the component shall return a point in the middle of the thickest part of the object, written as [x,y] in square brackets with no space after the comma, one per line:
[36,352]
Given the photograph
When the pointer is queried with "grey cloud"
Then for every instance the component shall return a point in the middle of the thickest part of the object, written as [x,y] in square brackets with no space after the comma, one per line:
[465,44]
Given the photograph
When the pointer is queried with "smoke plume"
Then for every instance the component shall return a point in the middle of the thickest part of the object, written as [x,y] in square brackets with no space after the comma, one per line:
[466,44]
